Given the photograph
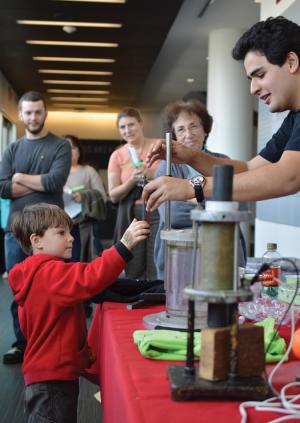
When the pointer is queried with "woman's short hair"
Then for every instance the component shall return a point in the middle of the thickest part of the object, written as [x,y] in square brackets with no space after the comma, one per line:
[36,219]
[173,110]
[76,143]
[129,112]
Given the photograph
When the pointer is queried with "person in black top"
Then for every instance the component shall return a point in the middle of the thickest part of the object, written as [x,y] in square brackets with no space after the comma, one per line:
[34,169]
[270,50]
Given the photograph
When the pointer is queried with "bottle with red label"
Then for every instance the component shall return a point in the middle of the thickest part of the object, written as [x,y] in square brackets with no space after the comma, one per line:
[269,277]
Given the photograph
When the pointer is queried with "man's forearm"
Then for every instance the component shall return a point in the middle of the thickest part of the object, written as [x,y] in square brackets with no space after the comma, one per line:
[19,190]
[204,163]
[33,182]
[272,180]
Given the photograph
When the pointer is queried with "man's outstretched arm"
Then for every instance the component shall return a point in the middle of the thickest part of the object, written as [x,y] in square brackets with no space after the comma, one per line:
[262,180]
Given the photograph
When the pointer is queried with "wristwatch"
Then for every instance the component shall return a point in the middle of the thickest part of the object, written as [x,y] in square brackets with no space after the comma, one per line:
[198,183]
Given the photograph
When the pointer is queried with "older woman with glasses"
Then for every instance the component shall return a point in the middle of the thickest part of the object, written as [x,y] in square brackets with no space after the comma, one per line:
[190,123]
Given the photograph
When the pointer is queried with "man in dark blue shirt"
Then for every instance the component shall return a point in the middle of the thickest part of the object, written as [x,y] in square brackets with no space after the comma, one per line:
[271,53]
[34,169]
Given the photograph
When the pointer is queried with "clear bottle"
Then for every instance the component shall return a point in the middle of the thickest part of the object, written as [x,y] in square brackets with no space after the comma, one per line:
[270,276]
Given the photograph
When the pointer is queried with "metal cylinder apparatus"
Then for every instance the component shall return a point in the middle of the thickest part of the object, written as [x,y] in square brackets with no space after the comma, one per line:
[218,281]
[182,260]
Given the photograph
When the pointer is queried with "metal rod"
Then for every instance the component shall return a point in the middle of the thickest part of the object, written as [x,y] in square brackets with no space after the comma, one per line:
[168,139]
[236,276]
[189,366]
[234,345]
[195,251]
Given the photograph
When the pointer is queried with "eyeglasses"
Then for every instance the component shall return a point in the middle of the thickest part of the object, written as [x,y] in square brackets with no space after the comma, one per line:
[182,130]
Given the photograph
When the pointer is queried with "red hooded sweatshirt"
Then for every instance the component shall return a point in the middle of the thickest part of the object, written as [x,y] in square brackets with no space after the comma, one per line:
[50,294]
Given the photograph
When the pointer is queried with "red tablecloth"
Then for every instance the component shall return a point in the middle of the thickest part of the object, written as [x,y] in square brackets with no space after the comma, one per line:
[136,390]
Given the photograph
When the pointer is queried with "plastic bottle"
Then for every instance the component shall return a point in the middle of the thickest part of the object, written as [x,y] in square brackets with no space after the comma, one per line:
[268,278]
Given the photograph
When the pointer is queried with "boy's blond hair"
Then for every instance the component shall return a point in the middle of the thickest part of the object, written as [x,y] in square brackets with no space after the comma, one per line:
[36,219]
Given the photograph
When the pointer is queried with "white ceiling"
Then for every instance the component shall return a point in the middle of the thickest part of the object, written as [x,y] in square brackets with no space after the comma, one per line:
[184,53]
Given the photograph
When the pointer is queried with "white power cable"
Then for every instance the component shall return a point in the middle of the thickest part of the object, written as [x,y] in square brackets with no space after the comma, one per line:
[281,403]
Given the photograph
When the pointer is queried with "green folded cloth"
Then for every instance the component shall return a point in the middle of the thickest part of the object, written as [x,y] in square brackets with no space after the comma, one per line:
[277,348]
[165,344]
[171,345]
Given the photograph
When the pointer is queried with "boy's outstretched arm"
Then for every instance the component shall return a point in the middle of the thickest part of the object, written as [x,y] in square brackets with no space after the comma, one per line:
[137,231]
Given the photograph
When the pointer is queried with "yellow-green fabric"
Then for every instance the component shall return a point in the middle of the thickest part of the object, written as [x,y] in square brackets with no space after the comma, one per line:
[165,344]
[171,345]
[277,348]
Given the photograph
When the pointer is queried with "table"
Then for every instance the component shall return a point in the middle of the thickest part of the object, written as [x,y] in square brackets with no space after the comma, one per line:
[136,390]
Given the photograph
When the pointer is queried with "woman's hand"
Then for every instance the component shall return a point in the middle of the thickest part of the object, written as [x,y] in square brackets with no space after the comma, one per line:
[180,153]
[136,232]
[77,197]
[140,172]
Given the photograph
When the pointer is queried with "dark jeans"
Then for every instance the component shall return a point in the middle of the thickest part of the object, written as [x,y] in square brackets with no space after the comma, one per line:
[52,401]
[13,255]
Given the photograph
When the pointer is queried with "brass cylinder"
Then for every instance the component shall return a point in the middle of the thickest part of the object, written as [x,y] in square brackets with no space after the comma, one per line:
[217,260]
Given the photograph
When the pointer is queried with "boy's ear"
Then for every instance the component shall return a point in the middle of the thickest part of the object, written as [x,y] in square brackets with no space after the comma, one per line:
[35,241]
[292,60]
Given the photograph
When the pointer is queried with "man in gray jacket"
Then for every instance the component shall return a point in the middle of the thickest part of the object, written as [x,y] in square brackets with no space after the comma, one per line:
[34,169]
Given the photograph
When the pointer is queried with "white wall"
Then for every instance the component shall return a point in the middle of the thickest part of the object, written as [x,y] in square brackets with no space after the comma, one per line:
[8,100]
[96,125]
[286,236]
[270,8]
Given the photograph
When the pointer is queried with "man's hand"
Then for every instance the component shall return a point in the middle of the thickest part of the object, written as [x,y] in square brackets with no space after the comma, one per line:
[164,189]
[33,182]
[17,178]
[136,232]
[180,152]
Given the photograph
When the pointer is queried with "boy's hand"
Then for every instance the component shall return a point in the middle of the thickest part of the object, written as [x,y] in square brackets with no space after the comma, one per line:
[136,232]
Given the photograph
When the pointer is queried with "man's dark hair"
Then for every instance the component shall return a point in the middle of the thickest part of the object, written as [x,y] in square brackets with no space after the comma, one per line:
[32,96]
[273,38]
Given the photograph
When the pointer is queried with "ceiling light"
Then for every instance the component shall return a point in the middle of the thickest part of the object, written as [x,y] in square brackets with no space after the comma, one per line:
[97,1]
[57,91]
[190,80]
[70,23]
[73,59]
[70,43]
[91,99]
[69,29]
[98,106]
[74,72]
[68,82]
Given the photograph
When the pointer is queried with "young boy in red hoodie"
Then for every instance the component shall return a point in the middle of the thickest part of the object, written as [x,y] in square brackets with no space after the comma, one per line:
[50,293]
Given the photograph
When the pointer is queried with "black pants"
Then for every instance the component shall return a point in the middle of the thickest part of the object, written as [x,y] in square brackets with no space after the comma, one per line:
[53,401]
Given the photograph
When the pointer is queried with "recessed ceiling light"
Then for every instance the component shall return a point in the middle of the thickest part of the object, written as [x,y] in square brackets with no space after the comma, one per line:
[73,59]
[96,106]
[74,72]
[68,82]
[70,43]
[70,23]
[91,99]
[57,91]
[97,1]
[190,80]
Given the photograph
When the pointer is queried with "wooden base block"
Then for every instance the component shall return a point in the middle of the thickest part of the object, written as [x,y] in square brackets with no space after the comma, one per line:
[215,352]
